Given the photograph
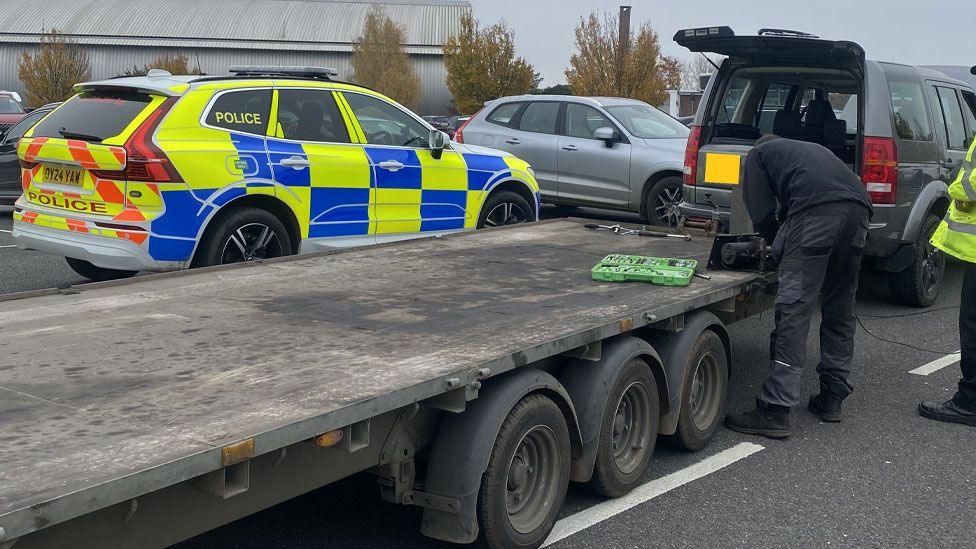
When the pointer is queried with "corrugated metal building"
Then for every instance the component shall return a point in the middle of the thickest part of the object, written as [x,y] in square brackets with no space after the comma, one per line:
[215,34]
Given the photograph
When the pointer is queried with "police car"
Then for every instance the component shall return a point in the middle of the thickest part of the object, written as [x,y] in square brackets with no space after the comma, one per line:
[166,172]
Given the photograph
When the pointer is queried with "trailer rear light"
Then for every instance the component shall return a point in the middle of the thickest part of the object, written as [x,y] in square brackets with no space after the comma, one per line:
[145,161]
[329,439]
[459,134]
[879,169]
[690,175]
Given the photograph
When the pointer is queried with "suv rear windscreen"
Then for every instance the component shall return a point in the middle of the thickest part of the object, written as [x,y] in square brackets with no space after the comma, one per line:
[808,104]
[93,116]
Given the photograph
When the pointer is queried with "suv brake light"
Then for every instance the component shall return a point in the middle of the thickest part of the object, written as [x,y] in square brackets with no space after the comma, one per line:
[879,169]
[690,175]
[459,134]
[145,160]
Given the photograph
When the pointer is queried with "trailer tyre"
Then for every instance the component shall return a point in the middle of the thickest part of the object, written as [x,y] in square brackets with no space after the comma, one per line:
[629,430]
[525,483]
[703,394]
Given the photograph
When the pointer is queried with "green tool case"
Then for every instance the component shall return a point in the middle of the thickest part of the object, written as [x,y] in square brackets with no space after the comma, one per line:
[662,271]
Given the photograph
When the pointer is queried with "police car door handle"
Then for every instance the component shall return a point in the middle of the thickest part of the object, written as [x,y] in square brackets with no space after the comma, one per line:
[391,165]
[514,141]
[570,148]
[296,162]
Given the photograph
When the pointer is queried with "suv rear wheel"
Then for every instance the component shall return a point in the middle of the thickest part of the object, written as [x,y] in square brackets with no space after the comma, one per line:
[247,234]
[919,284]
[662,202]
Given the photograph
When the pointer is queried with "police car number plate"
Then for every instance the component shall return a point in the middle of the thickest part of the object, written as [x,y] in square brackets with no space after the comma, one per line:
[73,177]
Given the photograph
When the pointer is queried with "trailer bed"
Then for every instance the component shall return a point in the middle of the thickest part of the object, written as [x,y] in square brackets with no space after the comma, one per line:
[124,389]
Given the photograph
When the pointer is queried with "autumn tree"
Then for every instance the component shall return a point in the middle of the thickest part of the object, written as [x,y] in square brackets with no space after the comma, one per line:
[50,74]
[692,70]
[601,67]
[482,65]
[174,63]
[380,62]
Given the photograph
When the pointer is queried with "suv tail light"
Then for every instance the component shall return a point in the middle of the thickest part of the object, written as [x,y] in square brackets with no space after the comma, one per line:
[144,160]
[879,169]
[690,175]
[459,134]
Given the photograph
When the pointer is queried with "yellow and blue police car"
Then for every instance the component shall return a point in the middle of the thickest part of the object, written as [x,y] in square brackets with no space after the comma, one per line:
[166,172]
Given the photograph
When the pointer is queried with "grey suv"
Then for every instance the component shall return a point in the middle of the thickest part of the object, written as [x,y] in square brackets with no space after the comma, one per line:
[611,153]
[903,129]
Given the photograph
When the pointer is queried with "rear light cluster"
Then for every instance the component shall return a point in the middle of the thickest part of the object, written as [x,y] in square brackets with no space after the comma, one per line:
[144,160]
[690,175]
[459,134]
[879,169]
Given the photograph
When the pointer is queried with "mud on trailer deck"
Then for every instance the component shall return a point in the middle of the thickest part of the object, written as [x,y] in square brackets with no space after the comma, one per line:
[476,375]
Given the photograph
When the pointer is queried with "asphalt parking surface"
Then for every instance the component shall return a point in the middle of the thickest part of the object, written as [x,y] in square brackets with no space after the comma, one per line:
[882,478]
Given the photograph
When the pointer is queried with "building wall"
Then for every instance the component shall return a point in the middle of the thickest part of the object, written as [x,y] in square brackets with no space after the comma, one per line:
[108,61]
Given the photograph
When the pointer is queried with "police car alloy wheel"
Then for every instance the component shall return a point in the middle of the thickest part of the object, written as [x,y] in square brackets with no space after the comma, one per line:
[505,208]
[243,235]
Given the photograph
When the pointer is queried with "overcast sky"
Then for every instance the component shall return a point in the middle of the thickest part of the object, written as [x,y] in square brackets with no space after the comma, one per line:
[919,32]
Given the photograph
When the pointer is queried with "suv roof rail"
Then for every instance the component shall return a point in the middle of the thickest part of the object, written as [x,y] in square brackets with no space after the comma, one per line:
[786,32]
[319,73]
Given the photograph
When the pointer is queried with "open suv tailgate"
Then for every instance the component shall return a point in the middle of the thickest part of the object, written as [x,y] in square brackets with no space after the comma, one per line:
[771,46]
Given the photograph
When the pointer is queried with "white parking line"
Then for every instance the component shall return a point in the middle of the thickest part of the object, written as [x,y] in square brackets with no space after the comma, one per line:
[6,231]
[937,365]
[646,492]
[9,246]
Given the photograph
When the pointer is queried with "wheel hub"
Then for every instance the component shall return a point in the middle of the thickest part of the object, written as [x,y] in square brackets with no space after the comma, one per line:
[631,430]
[532,481]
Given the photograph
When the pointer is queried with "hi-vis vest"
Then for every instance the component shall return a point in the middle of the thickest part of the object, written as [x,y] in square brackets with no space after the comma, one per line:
[956,234]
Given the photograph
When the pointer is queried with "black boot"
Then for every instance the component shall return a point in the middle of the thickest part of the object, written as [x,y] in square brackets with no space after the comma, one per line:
[947,411]
[827,407]
[762,421]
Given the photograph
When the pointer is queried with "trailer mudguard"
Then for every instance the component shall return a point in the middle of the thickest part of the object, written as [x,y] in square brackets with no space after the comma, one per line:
[589,383]
[674,348]
[462,447]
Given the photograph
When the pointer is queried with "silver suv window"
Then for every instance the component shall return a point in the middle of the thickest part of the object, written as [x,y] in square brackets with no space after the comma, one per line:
[539,117]
[503,114]
[646,122]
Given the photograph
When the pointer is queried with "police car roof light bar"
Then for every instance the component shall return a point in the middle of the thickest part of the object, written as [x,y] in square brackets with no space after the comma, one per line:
[302,72]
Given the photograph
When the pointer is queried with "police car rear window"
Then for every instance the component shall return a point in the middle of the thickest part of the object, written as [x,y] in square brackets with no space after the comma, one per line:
[244,111]
[93,116]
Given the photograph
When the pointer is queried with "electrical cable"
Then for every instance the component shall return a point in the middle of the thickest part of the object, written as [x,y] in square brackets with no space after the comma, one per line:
[925,312]
[903,344]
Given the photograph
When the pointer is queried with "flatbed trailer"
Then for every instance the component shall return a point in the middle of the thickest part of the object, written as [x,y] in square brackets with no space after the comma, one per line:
[475,375]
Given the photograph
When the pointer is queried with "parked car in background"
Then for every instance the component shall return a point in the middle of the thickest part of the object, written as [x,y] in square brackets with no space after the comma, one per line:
[10,178]
[604,152]
[904,129]
[441,123]
[11,111]
[686,120]
[113,184]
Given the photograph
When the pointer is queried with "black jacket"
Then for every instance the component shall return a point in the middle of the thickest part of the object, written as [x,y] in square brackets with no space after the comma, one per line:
[795,176]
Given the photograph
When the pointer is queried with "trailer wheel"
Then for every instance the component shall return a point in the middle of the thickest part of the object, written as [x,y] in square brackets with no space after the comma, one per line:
[629,430]
[703,393]
[525,483]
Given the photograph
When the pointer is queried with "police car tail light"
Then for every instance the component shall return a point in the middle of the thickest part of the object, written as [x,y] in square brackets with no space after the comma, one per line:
[879,169]
[145,161]
[690,175]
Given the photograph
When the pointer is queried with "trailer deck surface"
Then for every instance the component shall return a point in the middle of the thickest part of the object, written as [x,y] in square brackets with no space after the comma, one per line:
[124,389]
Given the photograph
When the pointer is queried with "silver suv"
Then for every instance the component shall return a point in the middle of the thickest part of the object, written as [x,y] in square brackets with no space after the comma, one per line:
[604,152]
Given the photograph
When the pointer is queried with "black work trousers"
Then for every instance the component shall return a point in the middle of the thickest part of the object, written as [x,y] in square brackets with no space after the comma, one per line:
[966,395]
[819,253]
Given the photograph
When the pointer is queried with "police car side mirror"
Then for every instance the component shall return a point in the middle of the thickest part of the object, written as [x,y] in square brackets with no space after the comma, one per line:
[437,142]
[606,135]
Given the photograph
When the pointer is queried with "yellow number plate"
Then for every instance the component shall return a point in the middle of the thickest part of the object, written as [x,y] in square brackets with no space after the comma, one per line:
[72,177]
[722,168]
